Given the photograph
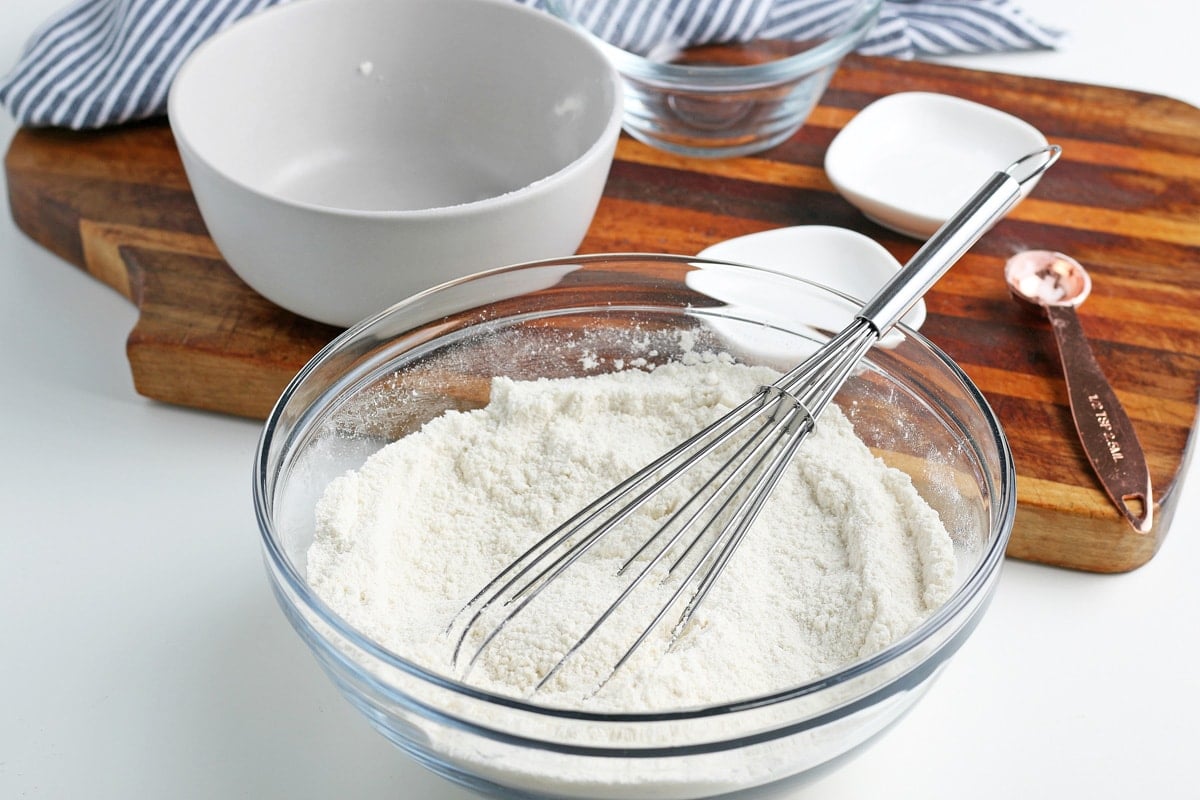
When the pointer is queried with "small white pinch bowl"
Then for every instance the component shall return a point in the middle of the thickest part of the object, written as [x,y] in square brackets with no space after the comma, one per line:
[851,264]
[908,161]
[839,258]
[346,154]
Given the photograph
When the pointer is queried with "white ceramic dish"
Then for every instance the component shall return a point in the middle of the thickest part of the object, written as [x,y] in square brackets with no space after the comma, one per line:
[908,161]
[838,258]
[346,154]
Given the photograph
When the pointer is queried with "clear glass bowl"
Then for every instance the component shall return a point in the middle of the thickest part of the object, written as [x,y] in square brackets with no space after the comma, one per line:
[722,98]
[438,350]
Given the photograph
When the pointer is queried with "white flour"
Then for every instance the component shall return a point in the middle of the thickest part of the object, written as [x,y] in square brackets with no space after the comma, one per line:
[845,559]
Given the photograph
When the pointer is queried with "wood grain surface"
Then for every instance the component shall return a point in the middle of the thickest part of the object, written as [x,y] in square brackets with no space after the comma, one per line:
[1124,200]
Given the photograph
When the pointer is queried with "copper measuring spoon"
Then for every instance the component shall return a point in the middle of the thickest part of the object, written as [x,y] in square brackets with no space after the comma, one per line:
[1058,283]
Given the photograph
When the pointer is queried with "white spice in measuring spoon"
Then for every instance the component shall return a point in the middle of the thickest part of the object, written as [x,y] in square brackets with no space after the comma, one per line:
[845,559]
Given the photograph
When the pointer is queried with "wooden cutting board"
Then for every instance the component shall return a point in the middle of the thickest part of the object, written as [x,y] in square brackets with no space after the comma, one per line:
[1125,200]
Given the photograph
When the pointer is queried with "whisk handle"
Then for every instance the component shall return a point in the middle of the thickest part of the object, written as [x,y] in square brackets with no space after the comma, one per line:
[948,244]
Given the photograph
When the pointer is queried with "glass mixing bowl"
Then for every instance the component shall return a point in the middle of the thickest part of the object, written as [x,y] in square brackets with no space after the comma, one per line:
[438,350]
[724,80]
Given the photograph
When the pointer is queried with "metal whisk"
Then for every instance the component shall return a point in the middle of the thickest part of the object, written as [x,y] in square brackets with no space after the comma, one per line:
[702,534]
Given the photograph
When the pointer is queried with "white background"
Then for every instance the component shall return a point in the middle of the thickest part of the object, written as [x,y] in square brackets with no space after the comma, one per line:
[142,656]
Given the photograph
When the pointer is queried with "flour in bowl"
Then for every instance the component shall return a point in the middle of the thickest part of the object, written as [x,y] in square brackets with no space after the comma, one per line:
[845,559]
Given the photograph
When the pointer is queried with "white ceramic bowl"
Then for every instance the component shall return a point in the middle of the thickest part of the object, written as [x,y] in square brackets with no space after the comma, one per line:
[909,161]
[347,153]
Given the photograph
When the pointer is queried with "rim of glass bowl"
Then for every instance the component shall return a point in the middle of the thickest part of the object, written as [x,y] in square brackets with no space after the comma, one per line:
[710,78]
[267,469]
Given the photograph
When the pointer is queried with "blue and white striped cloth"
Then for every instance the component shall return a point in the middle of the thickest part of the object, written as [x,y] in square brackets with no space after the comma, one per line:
[105,62]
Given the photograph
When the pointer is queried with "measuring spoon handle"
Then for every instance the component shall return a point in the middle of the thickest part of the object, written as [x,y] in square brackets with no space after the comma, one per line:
[1104,428]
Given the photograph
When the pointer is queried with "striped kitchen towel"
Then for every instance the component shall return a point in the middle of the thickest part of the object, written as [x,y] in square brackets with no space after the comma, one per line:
[105,62]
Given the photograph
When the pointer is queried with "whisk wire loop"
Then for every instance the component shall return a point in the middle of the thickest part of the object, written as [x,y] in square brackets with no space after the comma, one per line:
[783,411]
[761,462]
[731,496]
[533,560]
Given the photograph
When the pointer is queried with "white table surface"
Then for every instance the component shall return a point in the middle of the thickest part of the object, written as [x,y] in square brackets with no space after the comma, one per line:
[142,655]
